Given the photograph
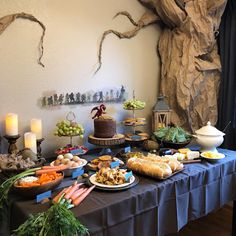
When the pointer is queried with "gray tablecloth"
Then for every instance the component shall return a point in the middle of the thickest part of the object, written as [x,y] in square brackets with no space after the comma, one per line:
[152,207]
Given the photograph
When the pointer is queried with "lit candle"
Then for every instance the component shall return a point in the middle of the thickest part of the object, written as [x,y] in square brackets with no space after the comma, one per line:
[11,124]
[30,141]
[36,127]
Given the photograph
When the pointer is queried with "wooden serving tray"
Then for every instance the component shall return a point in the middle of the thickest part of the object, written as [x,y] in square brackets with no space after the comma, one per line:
[191,161]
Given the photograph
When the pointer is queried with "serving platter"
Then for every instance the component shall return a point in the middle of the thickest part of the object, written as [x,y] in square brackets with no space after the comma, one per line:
[132,182]
[76,150]
[167,177]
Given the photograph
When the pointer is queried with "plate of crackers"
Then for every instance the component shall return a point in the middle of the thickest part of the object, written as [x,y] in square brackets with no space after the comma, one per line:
[103,161]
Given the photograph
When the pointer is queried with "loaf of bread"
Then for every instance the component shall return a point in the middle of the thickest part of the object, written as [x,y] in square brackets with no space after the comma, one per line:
[152,157]
[157,170]
[174,164]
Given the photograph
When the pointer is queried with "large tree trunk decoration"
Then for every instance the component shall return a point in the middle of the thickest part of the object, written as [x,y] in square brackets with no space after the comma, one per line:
[7,20]
[190,73]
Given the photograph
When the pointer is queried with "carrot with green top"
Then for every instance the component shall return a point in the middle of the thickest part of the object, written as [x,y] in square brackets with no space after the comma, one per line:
[79,199]
[77,193]
[61,167]
[40,172]
[72,190]
[57,197]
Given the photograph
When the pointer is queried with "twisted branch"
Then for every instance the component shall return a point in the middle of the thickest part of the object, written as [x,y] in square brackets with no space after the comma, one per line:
[146,19]
[7,20]
[125,13]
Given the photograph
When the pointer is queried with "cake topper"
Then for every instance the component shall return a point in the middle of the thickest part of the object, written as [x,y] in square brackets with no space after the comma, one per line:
[100,110]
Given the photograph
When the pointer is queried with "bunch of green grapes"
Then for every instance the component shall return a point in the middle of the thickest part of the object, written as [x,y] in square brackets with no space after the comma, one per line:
[68,128]
[133,104]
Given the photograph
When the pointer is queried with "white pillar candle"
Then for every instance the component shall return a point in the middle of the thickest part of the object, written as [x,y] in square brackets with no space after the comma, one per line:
[30,141]
[11,124]
[36,127]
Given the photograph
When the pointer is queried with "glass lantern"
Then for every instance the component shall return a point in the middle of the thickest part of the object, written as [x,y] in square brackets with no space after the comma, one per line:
[161,114]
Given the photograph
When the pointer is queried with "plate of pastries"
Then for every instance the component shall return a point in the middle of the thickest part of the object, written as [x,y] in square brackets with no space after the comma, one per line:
[103,161]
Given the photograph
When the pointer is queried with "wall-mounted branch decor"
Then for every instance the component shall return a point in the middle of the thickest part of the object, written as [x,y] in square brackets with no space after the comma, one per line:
[145,20]
[5,21]
[190,73]
[108,95]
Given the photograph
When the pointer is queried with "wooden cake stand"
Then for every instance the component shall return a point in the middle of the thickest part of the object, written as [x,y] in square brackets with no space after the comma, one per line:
[106,143]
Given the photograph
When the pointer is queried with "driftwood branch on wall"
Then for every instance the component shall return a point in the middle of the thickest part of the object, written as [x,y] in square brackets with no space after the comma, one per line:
[190,73]
[7,20]
[145,20]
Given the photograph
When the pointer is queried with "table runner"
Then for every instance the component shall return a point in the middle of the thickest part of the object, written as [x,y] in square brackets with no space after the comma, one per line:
[152,207]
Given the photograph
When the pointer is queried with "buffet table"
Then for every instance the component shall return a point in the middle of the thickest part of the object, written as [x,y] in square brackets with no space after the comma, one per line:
[152,207]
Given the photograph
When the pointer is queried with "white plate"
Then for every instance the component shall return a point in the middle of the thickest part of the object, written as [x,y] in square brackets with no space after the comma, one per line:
[215,156]
[92,179]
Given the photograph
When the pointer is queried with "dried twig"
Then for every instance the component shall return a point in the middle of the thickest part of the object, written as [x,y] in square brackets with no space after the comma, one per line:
[125,13]
[7,20]
[146,19]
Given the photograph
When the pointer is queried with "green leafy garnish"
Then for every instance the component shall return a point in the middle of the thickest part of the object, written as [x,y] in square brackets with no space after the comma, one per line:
[57,220]
[172,134]
[6,185]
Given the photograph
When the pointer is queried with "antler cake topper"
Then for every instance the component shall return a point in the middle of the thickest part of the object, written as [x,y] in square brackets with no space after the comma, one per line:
[100,110]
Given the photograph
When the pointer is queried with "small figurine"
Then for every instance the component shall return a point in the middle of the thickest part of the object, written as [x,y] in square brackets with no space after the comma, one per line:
[100,110]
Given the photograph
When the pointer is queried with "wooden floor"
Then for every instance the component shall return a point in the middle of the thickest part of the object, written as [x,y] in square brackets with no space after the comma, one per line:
[218,223]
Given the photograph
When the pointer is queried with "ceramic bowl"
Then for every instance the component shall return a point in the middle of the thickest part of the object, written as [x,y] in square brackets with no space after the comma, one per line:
[209,138]
[69,171]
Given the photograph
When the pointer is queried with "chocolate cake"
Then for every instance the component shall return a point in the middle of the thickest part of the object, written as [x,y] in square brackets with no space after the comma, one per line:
[104,127]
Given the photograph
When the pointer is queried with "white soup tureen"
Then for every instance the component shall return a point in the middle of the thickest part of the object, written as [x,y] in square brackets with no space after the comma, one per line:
[209,138]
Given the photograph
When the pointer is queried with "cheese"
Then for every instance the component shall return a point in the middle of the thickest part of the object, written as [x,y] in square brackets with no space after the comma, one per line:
[183,150]
[179,156]
[192,155]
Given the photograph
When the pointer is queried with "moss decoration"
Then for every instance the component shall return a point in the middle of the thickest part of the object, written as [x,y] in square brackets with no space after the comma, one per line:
[190,73]
[5,21]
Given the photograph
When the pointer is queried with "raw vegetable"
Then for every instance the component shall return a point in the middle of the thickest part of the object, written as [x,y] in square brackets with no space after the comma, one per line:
[172,134]
[56,221]
[6,185]
[42,179]
[57,197]
[77,193]
[56,168]
[78,200]
[72,190]
[72,194]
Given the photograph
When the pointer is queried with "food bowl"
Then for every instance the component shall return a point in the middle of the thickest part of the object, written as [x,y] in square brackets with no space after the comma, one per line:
[209,138]
[212,156]
[35,190]
[10,171]
[173,145]
[70,170]
[75,150]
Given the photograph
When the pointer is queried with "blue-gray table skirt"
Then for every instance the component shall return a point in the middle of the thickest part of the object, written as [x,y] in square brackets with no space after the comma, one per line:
[152,207]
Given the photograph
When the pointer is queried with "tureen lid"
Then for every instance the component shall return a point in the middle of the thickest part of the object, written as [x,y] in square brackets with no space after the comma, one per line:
[209,130]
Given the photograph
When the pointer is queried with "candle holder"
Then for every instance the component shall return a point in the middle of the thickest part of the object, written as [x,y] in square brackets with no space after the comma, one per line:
[39,149]
[12,143]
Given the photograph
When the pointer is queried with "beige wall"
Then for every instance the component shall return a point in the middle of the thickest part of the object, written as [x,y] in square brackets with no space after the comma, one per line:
[73,31]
